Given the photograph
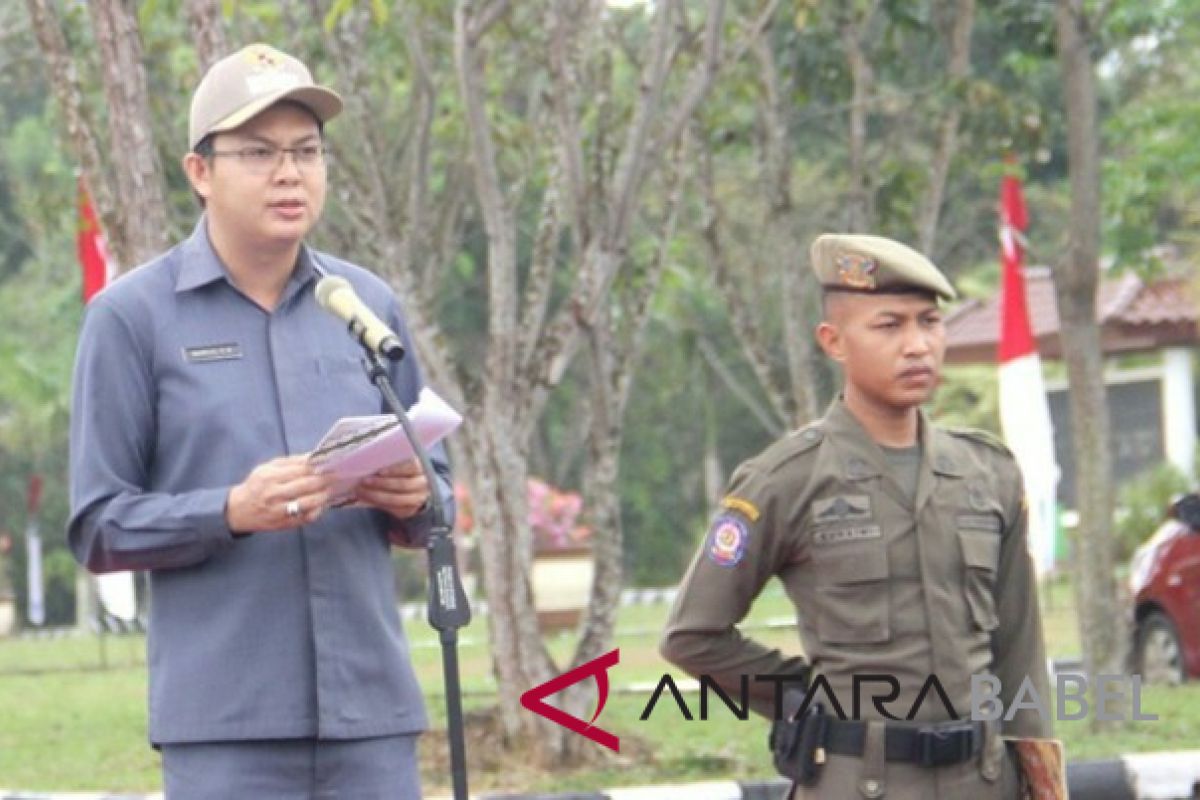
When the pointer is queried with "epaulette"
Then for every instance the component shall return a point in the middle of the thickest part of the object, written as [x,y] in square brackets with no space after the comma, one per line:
[806,438]
[983,437]
[794,445]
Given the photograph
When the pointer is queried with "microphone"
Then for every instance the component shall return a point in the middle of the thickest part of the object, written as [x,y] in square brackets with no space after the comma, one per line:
[337,296]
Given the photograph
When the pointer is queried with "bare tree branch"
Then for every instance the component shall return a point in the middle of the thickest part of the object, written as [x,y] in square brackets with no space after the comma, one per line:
[481,23]
[541,275]
[415,247]
[633,153]
[781,241]
[753,35]
[497,214]
[957,70]
[564,102]
[742,316]
[767,417]
[859,212]
[64,81]
[702,76]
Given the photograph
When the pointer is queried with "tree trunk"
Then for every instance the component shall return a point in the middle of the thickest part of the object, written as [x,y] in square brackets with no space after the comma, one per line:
[957,70]
[137,174]
[782,244]
[208,31]
[1075,281]
[63,77]
[530,347]
[499,502]
[859,212]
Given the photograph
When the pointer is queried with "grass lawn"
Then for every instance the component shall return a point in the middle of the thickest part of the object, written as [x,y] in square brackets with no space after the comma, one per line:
[67,724]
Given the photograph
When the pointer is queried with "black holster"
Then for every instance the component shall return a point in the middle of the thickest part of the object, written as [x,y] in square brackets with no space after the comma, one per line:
[797,743]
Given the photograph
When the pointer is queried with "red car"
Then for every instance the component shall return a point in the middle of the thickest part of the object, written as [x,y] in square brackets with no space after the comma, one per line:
[1165,583]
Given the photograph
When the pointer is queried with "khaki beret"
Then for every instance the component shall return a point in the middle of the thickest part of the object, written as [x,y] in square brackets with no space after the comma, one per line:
[872,264]
[243,85]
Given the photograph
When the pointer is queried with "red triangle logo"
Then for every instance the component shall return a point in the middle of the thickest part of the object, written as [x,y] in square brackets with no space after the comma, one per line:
[534,699]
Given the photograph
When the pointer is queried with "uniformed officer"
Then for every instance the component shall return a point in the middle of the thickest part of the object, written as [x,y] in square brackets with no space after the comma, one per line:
[903,547]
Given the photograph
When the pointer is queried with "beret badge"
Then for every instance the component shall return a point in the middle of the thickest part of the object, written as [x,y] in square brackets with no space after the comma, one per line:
[856,271]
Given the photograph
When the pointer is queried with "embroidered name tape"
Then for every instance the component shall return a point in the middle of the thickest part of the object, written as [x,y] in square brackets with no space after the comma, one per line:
[839,535]
[979,522]
[213,352]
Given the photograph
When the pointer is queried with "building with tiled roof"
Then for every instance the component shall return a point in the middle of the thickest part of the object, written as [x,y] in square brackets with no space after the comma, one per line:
[1153,409]
[1134,317]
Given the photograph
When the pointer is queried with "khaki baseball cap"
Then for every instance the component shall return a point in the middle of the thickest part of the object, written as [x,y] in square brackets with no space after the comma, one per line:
[873,264]
[248,82]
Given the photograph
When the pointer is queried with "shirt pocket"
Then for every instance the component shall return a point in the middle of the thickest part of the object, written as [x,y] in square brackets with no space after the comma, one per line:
[854,590]
[981,556]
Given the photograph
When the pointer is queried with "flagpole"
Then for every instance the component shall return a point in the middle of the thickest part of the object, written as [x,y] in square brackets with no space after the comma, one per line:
[36,607]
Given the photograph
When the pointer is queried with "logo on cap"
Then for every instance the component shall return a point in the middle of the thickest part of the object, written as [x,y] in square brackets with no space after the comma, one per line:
[856,270]
[268,72]
[263,57]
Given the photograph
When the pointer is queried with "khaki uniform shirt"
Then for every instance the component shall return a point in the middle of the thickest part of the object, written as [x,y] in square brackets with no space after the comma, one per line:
[883,585]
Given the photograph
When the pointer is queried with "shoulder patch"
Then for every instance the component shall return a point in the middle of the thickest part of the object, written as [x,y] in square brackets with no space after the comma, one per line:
[742,506]
[727,541]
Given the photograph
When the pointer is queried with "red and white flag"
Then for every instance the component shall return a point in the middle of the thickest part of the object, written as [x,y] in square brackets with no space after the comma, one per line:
[1024,409]
[115,590]
[98,269]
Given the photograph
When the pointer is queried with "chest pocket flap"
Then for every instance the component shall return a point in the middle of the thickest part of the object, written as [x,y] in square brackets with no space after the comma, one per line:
[981,556]
[853,605]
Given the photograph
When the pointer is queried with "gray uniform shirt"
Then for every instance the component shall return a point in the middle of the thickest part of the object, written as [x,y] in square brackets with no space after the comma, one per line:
[182,386]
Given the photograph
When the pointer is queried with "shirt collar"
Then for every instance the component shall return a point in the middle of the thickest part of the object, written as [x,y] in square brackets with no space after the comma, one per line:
[200,265]
[863,458]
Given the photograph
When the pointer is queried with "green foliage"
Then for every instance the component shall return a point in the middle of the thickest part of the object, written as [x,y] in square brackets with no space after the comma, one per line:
[1152,179]
[1142,506]
[339,8]
[969,398]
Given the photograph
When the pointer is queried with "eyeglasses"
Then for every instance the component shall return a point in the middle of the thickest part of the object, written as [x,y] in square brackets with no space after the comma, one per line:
[266,158]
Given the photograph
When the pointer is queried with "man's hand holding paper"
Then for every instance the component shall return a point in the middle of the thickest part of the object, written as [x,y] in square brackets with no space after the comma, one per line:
[280,494]
[401,490]
[372,460]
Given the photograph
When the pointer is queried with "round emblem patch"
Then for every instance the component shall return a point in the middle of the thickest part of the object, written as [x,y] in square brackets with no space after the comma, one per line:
[727,541]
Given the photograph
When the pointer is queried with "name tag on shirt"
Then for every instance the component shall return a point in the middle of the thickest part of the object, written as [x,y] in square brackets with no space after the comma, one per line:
[980,522]
[213,352]
[839,535]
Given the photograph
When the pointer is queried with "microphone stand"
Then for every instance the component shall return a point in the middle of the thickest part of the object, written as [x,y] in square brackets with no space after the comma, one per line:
[448,608]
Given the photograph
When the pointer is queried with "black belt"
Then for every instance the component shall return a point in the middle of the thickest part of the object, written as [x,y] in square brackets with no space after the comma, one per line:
[933,745]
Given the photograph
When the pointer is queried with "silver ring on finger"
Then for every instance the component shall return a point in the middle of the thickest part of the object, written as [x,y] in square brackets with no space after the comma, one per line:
[292,509]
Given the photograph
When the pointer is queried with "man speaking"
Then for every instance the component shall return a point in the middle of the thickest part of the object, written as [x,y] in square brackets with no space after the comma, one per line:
[278,665]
